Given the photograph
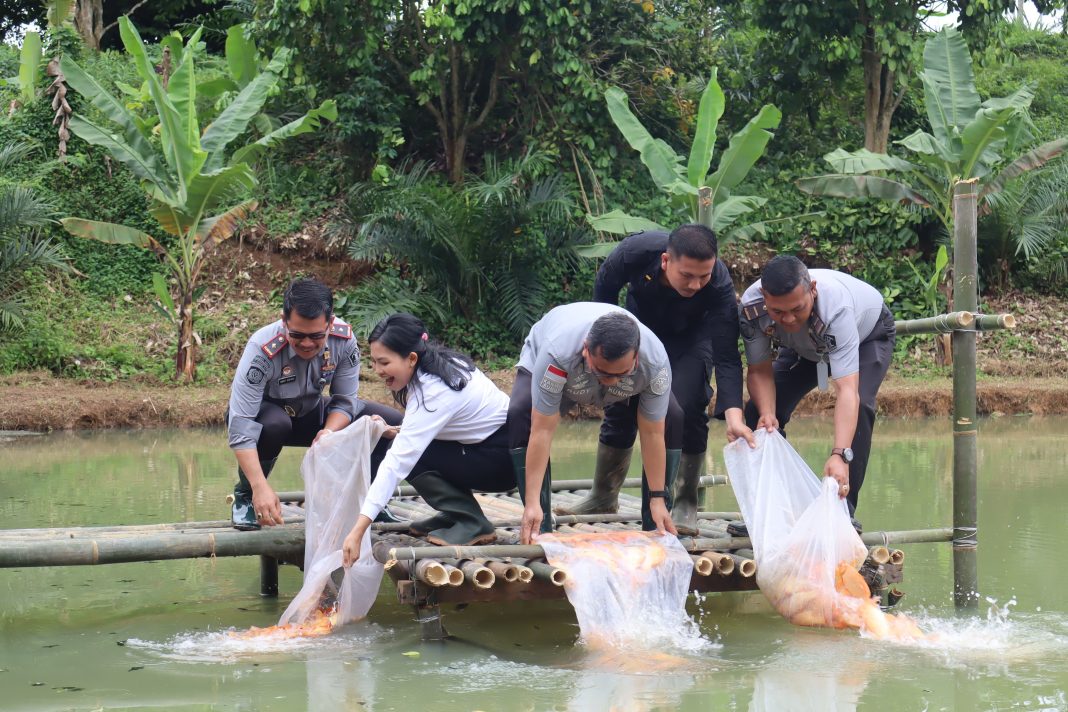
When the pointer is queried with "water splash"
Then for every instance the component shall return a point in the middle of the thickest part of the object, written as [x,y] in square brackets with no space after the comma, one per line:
[233,645]
[629,592]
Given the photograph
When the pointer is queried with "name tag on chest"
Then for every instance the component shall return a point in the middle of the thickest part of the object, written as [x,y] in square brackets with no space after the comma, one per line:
[287,379]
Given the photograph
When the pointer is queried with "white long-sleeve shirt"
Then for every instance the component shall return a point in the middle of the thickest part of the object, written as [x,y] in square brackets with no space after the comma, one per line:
[436,412]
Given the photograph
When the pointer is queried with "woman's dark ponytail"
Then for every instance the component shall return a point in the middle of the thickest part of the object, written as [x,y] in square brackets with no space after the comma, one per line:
[404,334]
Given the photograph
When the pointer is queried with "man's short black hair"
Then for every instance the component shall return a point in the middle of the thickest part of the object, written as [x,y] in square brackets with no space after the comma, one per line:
[613,336]
[310,297]
[782,274]
[695,241]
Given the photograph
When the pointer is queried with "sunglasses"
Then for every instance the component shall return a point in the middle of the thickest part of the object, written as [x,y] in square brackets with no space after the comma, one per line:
[301,336]
[605,374]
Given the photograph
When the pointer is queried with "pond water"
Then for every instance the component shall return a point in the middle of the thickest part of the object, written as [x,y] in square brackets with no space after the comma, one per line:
[153,635]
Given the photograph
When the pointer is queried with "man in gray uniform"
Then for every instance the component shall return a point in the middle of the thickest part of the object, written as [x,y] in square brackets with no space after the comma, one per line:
[826,325]
[592,354]
[277,395]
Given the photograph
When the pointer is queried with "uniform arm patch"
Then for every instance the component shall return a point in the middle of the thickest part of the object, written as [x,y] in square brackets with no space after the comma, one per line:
[553,380]
[257,370]
[661,382]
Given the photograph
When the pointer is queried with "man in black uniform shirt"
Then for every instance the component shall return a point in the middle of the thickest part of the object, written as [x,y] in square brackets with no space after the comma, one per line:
[680,290]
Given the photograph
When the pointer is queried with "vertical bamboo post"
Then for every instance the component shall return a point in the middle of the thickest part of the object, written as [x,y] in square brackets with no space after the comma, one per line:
[965,476]
[268,577]
[704,206]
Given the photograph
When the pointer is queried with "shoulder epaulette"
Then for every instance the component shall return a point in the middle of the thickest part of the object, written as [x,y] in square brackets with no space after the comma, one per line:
[754,310]
[274,347]
[341,330]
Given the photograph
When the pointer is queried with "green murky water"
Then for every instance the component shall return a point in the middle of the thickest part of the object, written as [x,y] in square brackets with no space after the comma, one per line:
[152,635]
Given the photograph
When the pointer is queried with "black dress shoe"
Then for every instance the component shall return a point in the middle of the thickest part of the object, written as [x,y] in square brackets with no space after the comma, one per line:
[737,528]
[388,517]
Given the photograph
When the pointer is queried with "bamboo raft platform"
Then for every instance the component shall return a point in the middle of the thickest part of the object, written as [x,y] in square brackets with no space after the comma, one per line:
[424,575]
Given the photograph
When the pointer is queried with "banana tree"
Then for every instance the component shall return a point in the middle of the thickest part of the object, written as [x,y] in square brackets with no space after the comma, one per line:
[684,178]
[198,186]
[968,139]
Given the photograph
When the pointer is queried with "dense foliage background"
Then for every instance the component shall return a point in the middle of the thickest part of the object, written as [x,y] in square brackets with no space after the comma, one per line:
[471,142]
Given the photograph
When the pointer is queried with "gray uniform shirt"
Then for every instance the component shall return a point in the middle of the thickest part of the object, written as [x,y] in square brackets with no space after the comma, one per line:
[846,311]
[552,353]
[271,370]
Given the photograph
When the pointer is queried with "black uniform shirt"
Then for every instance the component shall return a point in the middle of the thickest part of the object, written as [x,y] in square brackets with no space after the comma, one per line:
[708,319]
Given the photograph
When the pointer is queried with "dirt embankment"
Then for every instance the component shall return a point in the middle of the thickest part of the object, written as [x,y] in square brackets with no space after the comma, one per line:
[41,402]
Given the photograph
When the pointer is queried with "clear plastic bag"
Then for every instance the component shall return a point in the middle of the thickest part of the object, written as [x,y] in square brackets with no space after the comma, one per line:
[801,533]
[337,475]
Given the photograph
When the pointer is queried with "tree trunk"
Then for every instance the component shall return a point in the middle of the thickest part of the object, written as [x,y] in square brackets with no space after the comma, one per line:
[89,21]
[455,150]
[879,101]
[185,358]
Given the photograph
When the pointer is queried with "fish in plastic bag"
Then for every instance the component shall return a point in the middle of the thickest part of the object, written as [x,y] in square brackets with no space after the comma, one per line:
[337,475]
[804,543]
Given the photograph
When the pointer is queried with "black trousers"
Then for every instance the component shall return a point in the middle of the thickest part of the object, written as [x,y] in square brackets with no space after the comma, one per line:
[521,404]
[280,430]
[795,377]
[691,390]
[484,466]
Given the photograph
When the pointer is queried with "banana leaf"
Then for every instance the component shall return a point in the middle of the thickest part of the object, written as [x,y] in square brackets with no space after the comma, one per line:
[241,56]
[948,83]
[704,139]
[746,147]
[111,233]
[619,223]
[1035,158]
[305,124]
[850,186]
[29,60]
[864,161]
[144,166]
[660,159]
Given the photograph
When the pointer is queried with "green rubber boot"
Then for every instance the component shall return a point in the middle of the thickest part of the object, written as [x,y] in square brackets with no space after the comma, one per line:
[608,475]
[684,507]
[671,467]
[519,464]
[422,527]
[469,527]
[241,512]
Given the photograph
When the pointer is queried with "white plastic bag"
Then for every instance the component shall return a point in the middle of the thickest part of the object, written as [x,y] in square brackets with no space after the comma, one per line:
[801,533]
[337,475]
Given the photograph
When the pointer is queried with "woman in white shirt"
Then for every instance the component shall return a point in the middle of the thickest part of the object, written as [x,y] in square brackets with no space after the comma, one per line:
[453,439]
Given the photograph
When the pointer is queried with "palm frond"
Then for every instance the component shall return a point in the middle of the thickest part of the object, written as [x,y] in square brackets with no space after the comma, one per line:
[520,297]
[11,154]
[22,207]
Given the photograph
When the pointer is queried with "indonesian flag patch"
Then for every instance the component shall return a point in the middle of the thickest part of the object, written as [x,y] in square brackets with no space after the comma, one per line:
[553,380]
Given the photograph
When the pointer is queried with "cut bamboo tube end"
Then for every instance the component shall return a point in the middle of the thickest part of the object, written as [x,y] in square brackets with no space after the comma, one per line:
[878,555]
[897,556]
[455,575]
[526,575]
[545,572]
[702,566]
[230,499]
[478,574]
[746,567]
[723,563]
[506,571]
[431,572]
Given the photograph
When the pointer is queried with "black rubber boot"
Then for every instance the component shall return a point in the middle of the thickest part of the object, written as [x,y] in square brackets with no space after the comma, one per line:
[671,467]
[519,464]
[608,476]
[684,508]
[470,526]
[242,514]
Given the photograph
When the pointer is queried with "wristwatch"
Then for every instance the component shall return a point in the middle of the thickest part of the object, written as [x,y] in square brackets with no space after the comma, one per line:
[658,493]
[844,452]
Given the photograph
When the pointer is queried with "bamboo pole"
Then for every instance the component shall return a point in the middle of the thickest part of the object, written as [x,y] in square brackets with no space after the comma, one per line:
[479,575]
[561,519]
[744,566]
[283,542]
[502,569]
[545,572]
[994,322]
[879,555]
[533,551]
[455,575]
[431,572]
[723,562]
[965,433]
[941,324]
[702,564]
[897,557]
[704,206]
